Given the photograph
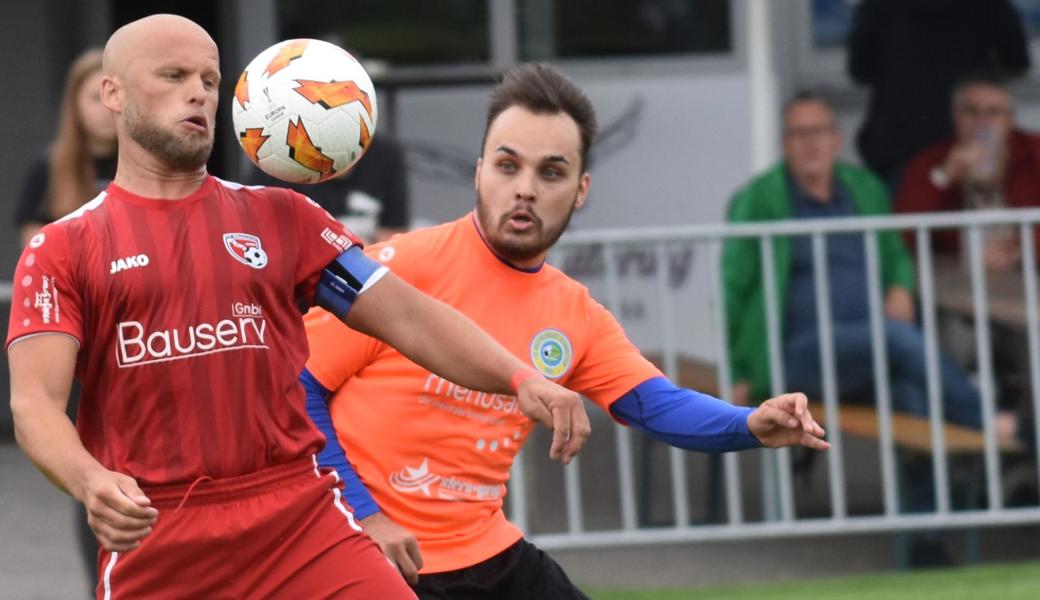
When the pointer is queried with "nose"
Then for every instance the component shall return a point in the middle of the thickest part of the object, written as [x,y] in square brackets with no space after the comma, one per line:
[525,187]
[198,91]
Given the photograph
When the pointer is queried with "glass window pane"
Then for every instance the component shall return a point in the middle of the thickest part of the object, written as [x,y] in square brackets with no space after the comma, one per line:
[608,28]
[1030,11]
[831,22]
[402,32]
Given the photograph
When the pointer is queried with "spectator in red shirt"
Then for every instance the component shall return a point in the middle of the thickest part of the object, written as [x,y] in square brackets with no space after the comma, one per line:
[989,163]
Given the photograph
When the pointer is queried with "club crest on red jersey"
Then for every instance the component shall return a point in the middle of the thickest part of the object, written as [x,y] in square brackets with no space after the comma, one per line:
[246,249]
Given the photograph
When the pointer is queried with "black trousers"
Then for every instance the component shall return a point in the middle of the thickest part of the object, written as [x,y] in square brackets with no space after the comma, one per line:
[520,572]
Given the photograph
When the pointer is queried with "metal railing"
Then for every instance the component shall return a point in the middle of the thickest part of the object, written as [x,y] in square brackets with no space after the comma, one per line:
[778,477]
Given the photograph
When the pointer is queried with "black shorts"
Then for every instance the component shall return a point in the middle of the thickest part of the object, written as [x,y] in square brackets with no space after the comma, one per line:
[520,572]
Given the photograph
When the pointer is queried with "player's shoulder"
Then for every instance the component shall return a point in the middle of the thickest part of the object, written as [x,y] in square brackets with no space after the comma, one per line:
[282,201]
[257,192]
[432,241]
[567,293]
[557,277]
[75,227]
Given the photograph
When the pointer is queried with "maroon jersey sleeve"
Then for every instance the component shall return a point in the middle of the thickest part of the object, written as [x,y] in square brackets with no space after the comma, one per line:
[322,239]
[45,297]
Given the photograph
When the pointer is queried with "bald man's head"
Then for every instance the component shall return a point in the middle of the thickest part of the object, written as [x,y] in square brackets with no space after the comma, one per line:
[161,75]
[143,34]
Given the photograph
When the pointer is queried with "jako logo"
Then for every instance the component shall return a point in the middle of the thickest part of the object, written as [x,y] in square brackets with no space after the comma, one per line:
[130,262]
[136,346]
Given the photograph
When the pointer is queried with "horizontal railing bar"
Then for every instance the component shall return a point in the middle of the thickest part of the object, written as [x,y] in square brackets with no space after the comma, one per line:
[804,527]
[802,226]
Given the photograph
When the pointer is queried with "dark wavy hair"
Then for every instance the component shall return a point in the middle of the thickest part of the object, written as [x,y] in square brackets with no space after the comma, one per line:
[542,89]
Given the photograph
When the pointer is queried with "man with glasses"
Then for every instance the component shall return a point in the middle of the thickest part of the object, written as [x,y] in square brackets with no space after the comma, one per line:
[987,164]
[810,183]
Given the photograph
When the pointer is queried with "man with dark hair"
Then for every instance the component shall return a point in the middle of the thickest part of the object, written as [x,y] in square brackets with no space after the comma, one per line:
[810,184]
[436,456]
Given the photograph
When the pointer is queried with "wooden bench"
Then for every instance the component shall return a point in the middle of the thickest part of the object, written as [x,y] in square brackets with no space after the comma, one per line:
[860,420]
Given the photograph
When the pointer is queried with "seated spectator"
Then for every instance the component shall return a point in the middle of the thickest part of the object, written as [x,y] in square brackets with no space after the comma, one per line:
[810,184]
[988,163]
[910,53]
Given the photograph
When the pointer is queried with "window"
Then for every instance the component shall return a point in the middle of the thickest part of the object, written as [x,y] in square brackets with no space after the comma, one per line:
[551,29]
[400,32]
[1030,11]
[831,22]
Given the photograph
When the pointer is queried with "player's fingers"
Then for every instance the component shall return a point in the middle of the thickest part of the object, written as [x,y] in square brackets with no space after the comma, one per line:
[131,490]
[404,563]
[118,501]
[801,411]
[817,430]
[114,539]
[411,545]
[113,518]
[561,431]
[813,442]
[122,548]
[580,431]
[780,418]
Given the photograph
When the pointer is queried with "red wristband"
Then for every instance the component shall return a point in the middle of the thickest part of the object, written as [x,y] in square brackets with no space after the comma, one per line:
[522,375]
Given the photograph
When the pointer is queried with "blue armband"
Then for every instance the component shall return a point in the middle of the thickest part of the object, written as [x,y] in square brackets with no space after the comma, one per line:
[344,279]
[333,455]
[685,418]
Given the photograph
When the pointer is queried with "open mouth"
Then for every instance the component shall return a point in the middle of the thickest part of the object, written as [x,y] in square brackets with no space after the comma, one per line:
[197,122]
[521,220]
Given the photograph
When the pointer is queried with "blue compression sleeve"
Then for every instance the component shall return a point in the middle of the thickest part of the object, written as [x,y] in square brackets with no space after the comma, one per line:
[685,418]
[333,455]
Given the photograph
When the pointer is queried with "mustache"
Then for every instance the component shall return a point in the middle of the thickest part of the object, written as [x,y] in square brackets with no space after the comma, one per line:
[526,211]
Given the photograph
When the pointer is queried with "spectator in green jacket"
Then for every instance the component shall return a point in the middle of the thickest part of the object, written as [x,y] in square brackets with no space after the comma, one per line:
[810,184]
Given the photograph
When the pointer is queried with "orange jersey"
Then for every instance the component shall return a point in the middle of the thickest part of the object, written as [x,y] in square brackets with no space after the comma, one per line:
[433,454]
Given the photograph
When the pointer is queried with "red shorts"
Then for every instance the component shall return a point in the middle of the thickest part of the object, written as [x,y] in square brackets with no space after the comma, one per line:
[280,533]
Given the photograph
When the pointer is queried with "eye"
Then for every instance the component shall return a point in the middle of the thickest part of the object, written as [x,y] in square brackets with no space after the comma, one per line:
[507,166]
[552,173]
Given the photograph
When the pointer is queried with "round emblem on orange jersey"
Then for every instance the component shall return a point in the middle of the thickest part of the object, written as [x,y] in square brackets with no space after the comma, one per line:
[551,353]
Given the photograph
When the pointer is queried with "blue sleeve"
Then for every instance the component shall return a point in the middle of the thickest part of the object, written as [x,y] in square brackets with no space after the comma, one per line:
[685,418]
[333,456]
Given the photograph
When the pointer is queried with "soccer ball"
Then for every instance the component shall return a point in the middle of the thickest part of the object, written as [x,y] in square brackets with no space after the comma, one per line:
[304,110]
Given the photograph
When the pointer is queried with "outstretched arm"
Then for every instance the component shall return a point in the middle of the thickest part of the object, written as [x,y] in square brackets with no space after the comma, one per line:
[695,421]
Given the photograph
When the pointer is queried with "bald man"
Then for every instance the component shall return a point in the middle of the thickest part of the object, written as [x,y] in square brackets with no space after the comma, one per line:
[174,298]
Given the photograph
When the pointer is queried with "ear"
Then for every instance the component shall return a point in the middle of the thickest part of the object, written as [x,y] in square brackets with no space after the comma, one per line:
[112,93]
[583,190]
[476,174]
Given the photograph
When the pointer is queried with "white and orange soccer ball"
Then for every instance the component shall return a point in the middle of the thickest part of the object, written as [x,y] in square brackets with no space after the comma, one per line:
[304,110]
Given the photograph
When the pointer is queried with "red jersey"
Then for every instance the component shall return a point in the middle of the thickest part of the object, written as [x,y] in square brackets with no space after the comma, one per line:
[187,313]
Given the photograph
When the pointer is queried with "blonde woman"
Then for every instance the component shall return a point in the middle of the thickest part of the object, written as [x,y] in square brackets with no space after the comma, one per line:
[82,158]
